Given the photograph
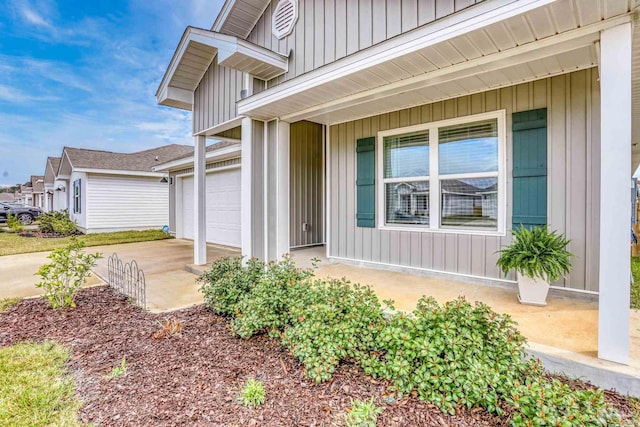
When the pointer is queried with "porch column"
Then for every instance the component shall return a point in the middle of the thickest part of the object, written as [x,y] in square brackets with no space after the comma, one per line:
[615,205]
[199,208]
[252,191]
[277,190]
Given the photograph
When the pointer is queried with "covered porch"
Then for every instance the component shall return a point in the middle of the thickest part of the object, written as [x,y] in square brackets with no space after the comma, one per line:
[564,334]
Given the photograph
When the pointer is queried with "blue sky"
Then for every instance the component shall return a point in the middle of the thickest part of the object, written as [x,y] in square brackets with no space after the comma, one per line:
[84,74]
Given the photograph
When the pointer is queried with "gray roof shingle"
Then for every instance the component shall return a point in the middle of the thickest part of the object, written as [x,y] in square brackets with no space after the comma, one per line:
[138,161]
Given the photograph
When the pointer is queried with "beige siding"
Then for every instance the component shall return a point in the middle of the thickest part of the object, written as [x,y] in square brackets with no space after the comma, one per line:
[306,171]
[328,30]
[214,100]
[573,105]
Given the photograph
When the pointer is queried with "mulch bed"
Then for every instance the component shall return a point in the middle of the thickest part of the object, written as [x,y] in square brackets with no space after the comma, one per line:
[195,378]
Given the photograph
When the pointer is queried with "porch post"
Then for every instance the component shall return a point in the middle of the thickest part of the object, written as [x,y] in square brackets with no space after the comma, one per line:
[246,173]
[199,208]
[277,190]
[615,205]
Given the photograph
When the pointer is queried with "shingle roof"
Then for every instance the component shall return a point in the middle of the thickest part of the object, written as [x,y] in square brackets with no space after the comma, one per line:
[212,147]
[7,197]
[138,161]
[37,183]
[55,163]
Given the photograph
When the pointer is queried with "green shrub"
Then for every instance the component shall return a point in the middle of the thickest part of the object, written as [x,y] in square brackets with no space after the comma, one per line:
[253,393]
[363,413]
[332,320]
[267,307]
[13,224]
[452,355]
[57,222]
[536,253]
[543,402]
[227,281]
[63,277]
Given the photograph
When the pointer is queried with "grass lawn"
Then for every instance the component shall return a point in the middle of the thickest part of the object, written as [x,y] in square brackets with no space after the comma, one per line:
[11,243]
[635,287]
[35,389]
[7,303]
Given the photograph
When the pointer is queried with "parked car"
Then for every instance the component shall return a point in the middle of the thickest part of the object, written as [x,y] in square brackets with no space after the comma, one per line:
[25,214]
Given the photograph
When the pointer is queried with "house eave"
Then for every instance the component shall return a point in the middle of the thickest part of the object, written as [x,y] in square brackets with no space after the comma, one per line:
[217,155]
[195,52]
[119,172]
[365,84]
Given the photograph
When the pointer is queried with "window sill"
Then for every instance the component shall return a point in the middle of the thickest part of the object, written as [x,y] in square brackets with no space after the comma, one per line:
[443,230]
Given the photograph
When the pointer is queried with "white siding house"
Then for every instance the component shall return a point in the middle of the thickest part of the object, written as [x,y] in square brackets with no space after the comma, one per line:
[105,191]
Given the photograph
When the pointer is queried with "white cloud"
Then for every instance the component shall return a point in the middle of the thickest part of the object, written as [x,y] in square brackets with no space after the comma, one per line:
[32,17]
[13,95]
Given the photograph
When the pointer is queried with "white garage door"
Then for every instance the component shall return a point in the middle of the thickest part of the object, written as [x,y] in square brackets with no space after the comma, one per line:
[223,207]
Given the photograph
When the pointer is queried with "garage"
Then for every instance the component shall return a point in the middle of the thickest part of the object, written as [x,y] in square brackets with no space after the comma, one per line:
[223,207]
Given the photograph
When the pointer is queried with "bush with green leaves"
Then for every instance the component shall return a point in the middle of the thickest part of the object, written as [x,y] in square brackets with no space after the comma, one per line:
[331,321]
[542,402]
[253,393]
[56,222]
[455,355]
[363,413]
[14,224]
[266,308]
[227,281]
[536,253]
[63,277]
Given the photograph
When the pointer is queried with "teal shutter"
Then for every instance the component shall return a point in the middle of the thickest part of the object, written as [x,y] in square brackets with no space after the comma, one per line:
[530,168]
[366,182]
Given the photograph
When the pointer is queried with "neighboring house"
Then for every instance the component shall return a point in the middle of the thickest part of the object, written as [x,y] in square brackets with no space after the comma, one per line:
[7,197]
[26,193]
[54,198]
[491,114]
[106,191]
[37,191]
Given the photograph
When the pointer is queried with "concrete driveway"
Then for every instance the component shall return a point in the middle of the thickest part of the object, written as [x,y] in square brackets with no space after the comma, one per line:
[169,285]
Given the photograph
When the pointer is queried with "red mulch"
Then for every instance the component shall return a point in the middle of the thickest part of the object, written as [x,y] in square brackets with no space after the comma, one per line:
[195,378]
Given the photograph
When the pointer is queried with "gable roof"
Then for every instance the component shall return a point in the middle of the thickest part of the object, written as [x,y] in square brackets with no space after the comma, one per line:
[238,17]
[51,170]
[37,183]
[141,161]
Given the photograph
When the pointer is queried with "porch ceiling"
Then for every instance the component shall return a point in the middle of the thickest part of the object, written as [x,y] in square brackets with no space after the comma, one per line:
[492,47]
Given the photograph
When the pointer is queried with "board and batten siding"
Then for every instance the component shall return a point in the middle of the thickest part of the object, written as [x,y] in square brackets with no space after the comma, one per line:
[306,187]
[328,30]
[214,100]
[116,202]
[573,104]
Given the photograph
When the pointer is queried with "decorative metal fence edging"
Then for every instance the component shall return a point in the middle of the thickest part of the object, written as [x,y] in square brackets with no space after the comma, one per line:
[128,279]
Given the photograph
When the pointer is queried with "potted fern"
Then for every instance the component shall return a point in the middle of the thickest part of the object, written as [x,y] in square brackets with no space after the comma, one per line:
[539,257]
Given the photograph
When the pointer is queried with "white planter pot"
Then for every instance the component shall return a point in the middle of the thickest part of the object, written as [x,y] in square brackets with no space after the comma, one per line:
[532,291]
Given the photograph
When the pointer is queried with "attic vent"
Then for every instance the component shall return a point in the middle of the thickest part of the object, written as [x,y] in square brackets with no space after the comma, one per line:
[284,18]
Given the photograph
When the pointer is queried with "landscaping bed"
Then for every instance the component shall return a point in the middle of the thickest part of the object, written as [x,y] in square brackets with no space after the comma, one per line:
[195,378]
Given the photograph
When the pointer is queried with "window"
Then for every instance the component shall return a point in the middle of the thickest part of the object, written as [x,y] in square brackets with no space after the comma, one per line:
[406,178]
[446,175]
[77,201]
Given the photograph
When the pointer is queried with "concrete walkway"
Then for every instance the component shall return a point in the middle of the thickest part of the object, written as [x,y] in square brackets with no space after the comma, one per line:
[169,286]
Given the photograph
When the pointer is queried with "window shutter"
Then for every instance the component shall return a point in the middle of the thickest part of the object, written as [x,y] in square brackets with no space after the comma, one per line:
[365,182]
[530,168]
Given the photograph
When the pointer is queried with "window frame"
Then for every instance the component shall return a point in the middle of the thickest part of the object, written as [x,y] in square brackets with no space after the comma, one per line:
[434,177]
[77,196]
